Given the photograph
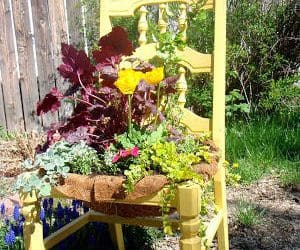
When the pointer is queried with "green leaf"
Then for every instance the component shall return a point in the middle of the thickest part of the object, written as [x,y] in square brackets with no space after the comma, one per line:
[45,189]
[27,164]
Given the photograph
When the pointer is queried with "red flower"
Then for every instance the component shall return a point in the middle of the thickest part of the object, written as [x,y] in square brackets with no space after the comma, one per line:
[116,158]
[123,153]
[135,151]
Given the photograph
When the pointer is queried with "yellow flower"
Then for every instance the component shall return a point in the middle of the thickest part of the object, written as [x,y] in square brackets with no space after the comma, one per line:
[235,165]
[226,164]
[154,76]
[128,80]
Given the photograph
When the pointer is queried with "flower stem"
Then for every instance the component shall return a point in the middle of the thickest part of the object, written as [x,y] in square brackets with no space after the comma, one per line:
[87,92]
[78,99]
[157,105]
[129,115]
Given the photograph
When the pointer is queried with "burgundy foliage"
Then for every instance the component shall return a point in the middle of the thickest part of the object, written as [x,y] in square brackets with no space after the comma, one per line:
[51,102]
[116,42]
[76,66]
[112,47]
[100,109]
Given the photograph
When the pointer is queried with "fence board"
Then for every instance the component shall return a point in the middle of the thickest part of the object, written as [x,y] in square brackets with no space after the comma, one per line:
[8,65]
[43,40]
[75,23]
[59,34]
[54,21]
[28,79]
[2,111]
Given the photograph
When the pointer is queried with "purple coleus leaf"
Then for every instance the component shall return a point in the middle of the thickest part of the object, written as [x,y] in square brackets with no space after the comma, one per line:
[99,113]
[51,102]
[143,102]
[71,90]
[109,70]
[79,134]
[117,42]
[112,47]
[77,120]
[144,67]
[169,84]
[76,64]
[70,130]
[144,87]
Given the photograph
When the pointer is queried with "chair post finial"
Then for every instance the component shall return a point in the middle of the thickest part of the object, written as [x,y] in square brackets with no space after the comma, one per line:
[181,87]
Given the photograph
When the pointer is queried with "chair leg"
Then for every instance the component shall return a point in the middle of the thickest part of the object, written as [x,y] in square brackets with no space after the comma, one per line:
[33,228]
[220,199]
[188,206]
[116,235]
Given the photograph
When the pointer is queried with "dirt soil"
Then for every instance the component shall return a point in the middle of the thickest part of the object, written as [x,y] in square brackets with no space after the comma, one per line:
[278,226]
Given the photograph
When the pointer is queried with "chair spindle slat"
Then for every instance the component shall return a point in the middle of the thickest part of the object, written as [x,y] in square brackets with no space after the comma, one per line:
[143,26]
[183,21]
[162,18]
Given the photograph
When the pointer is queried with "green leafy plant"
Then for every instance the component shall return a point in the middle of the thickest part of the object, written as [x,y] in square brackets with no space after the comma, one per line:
[5,135]
[50,167]
[232,178]
[283,97]
[235,104]
[247,214]
[168,43]
[169,159]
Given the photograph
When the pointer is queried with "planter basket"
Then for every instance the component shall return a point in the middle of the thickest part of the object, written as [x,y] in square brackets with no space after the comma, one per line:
[101,191]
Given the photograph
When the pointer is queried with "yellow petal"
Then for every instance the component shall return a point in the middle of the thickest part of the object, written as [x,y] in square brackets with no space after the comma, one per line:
[128,80]
[154,76]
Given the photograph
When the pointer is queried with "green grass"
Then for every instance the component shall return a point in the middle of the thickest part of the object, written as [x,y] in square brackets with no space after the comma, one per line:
[4,135]
[265,144]
[247,214]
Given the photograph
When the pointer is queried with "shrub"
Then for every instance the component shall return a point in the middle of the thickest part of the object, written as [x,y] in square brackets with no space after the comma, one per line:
[283,97]
[262,48]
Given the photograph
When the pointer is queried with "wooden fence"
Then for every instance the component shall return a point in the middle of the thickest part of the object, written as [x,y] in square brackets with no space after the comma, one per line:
[31,32]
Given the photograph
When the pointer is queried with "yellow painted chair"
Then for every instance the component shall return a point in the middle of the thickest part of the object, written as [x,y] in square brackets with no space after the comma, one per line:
[188,198]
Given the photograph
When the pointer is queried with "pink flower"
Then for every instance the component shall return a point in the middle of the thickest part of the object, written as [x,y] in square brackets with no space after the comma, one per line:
[116,158]
[135,151]
[124,153]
